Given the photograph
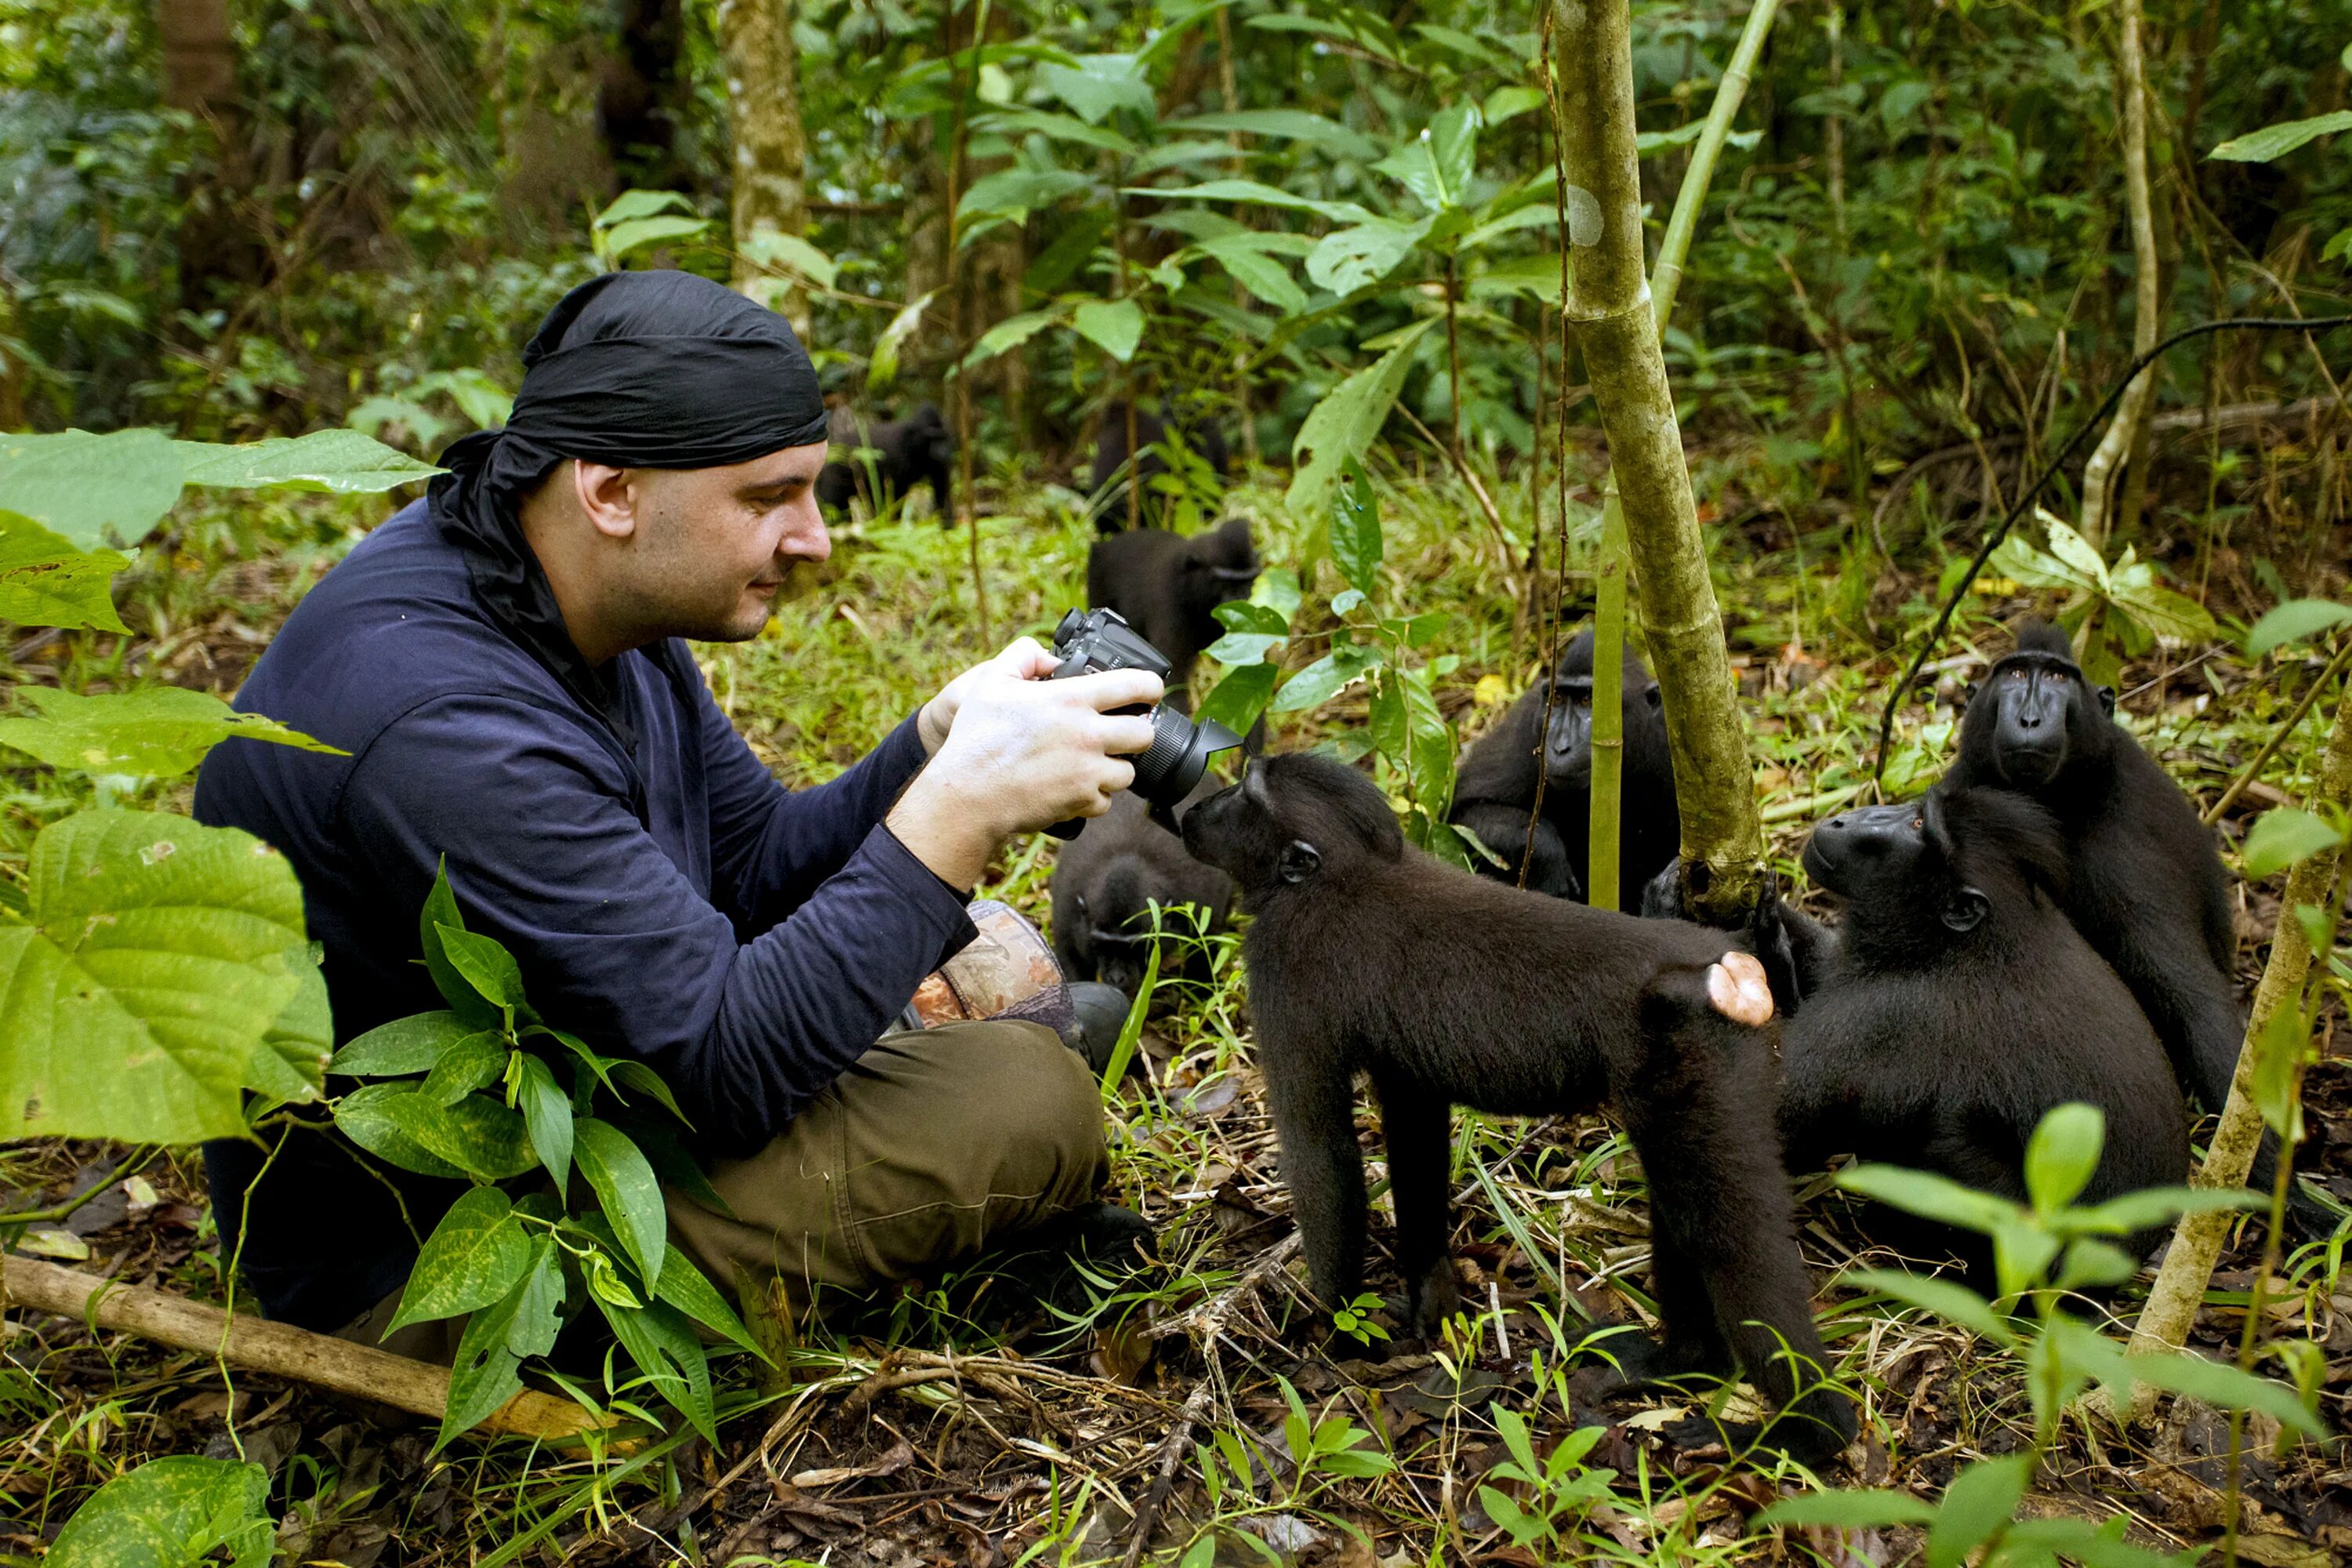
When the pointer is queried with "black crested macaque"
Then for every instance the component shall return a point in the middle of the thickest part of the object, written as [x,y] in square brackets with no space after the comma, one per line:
[1498,783]
[1106,880]
[2146,886]
[1961,1006]
[917,450]
[1367,955]
[1108,485]
[1168,586]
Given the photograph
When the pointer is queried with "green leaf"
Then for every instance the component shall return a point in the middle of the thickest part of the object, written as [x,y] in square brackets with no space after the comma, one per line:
[1452,138]
[1244,648]
[1356,546]
[475,1062]
[2216,1382]
[291,1065]
[2156,1206]
[477,1254]
[1099,84]
[1017,192]
[484,963]
[1323,679]
[46,581]
[172,1513]
[883,369]
[484,1140]
[682,1285]
[147,973]
[159,732]
[661,1341]
[1849,1510]
[2294,621]
[2281,1052]
[1930,1196]
[1981,1500]
[486,1372]
[1257,271]
[2277,141]
[538,1303]
[1009,333]
[1054,127]
[2174,616]
[1355,257]
[2285,836]
[640,232]
[364,1116]
[404,1046]
[2063,1154]
[1290,125]
[86,488]
[1240,698]
[630,1073]
[1346,423]
[631,204]
[1954,1303]
[1115,326]
[344,461]
[1509,104]
[547,1113]
[626,1190]
[772,247]
[1263,195]
[441,910]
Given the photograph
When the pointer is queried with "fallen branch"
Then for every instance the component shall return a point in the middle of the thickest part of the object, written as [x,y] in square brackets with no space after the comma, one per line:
[278,1349]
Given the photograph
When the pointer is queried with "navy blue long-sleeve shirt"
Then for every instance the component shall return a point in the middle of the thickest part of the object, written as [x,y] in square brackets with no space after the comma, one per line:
[664,897]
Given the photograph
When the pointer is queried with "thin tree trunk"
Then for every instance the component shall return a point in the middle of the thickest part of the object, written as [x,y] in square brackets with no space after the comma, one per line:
[1834,130]
[1241,296]
[1722,843]
[958,281]
[2188,1266]
[763,111]
[217,253]
[2099,474]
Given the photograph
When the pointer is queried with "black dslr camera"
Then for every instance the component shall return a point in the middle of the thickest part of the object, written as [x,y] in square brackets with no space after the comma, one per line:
[1091,641]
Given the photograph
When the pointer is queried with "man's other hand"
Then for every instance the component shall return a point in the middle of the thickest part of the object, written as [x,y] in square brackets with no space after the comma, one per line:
[1021,753]
[1024,658]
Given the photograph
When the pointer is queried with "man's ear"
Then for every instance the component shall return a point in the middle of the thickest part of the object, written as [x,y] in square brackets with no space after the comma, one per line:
[1299,861]
[2107,701]
[609,497]
[1966,909]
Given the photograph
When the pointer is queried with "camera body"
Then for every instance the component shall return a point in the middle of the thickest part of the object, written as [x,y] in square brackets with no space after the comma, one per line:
[1092,641]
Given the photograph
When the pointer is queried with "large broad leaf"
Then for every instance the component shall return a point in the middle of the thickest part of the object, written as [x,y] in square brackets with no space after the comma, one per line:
[161,732]
[789,252]
[1435,166]
[632,204]
[2176,617]
[484,1140]
[2277,141]
[2281,1052]
[484,963]
[638,233]
[1257,271]
[2294,621]
[626,1190]
[1241,697]
[1981,1500]
[477,1254]
[475,1062]
[1053,127]
[1355,257]
[46,581]
[1009,333]
[1115,326]
[1930,1196]
[150,970]
[172,1513]
[662,1342]
[87,488]
[1268,195]
[486,1372]
[547,1112]
[2285,836]
[1099,84]
[404,1046]
[441,910]
[1323,679]
[339,460]
[1356,528]
[1290,125]
[291,1065]
[1018,191]
[365,1117]
[1345,424]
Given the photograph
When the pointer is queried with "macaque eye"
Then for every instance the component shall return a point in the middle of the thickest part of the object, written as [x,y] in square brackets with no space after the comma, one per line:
[2017,674]
[1917,824]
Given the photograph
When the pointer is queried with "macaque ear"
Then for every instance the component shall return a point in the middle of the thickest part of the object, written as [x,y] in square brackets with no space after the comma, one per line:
[1299,861]
[1966,909]
[2107,701]
[1653,697]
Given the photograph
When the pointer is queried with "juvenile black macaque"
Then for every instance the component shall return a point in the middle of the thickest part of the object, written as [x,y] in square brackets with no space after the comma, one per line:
[1498,783]
[1961,1006]
[1366,956]
[1205,441]
[917,450]
[1104,885]
[2146,886]
[1169,587]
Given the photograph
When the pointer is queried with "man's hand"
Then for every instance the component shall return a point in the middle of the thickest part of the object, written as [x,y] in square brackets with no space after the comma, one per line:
[1024,658]
[1022,754]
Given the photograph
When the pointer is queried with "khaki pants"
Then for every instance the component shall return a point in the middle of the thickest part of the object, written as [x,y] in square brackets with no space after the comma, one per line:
[936,1144]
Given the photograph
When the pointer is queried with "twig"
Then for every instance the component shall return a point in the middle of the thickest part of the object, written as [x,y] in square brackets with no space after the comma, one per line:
[2246,775]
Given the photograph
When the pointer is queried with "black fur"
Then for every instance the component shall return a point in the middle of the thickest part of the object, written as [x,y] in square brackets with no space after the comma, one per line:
[1498,782]
[1169,587]
[1108,485]
[1367,957]
[1961,1006]
[1105,881]
[917,450]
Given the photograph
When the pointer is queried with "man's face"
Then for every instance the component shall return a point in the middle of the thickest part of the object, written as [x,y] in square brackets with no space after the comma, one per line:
[714,546]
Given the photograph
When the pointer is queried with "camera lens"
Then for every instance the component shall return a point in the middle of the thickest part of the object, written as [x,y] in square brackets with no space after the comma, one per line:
[1179,754]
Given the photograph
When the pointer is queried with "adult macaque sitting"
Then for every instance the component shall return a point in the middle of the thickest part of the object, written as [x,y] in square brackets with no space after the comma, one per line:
[503,664]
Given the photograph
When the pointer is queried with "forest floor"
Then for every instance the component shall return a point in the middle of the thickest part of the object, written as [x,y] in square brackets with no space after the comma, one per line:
[962,1424]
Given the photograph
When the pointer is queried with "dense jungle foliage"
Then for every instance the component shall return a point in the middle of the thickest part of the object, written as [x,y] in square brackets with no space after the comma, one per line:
[1937,236]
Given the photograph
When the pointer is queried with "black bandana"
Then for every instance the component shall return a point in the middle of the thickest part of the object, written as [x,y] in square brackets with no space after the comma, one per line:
[642,370]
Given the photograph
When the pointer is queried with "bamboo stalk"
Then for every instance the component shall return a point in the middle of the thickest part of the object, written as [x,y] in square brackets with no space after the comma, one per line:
[2188,1266]
[280,1350]
[1617,314]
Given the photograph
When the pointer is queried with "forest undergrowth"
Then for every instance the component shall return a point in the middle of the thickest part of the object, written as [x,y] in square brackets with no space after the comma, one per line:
[965,1422]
